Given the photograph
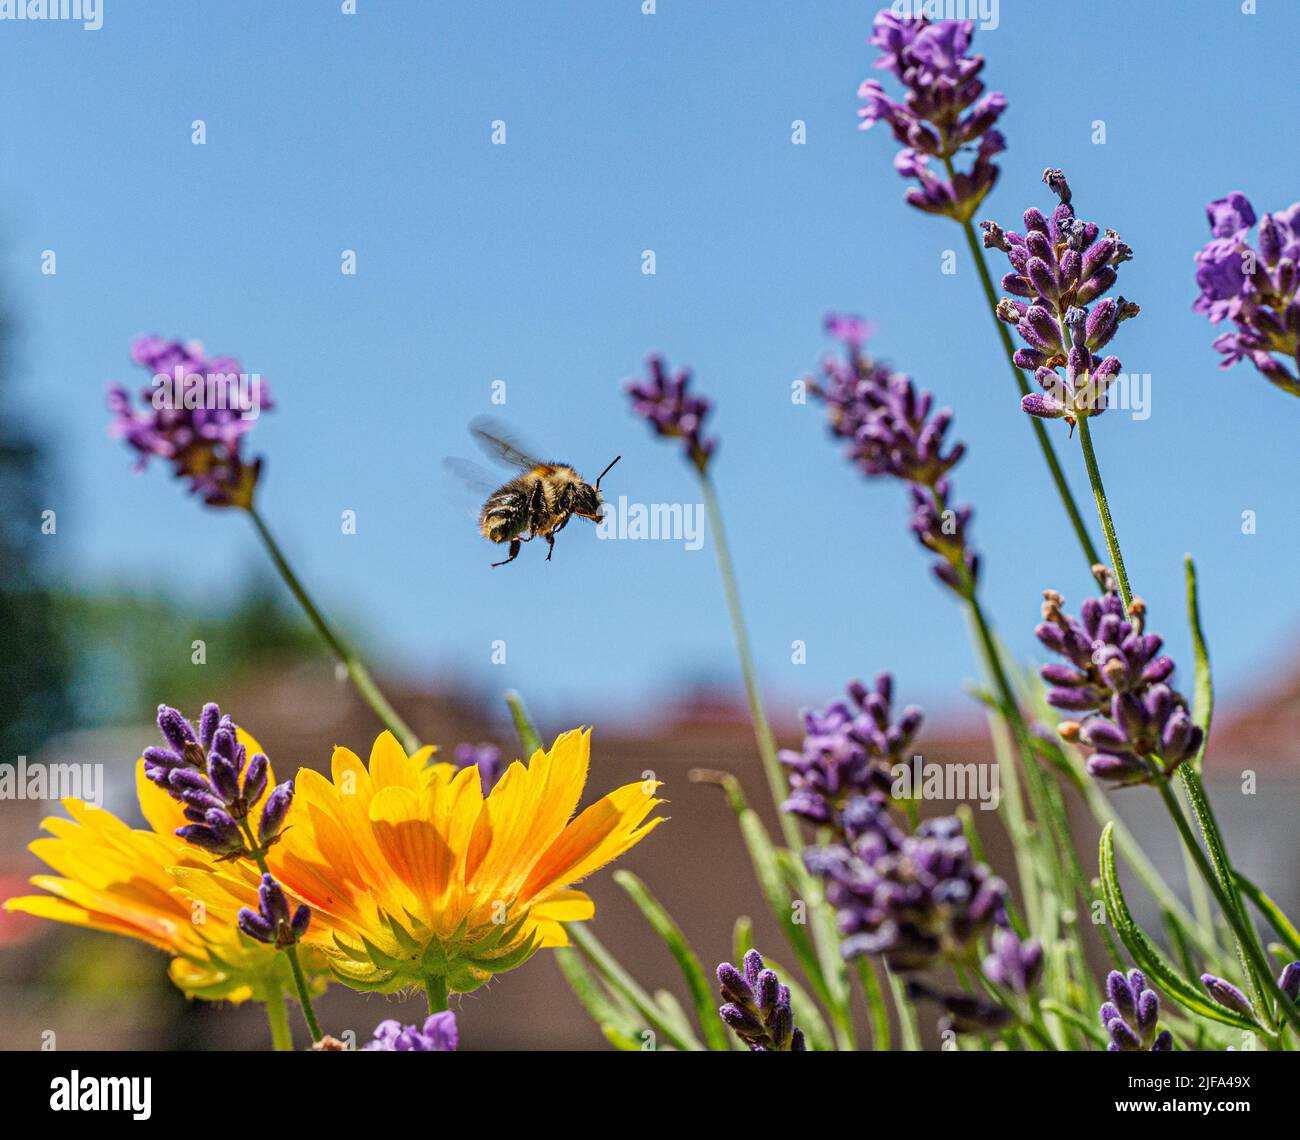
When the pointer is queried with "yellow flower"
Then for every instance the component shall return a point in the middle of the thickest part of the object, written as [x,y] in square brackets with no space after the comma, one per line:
[413,875]
[145,884]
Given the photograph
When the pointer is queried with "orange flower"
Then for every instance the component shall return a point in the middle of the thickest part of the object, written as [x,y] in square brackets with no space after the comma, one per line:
[151,886]
[415,877]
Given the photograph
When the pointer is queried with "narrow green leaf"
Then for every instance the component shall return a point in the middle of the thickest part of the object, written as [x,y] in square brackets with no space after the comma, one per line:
[1283,926]
[622,983]
[529,739]
[620,1040]
[1145,954]
[606,1011]
[772,883]
[742,938]
[702,994]
[1203,690]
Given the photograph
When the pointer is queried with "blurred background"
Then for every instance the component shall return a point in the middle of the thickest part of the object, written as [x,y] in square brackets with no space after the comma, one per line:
[480,263]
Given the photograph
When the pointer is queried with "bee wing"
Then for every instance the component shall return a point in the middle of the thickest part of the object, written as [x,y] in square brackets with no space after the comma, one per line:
[498,443]
[473,475]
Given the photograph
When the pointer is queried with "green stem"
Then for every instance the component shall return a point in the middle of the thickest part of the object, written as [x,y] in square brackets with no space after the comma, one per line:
[435,988]
[911,1033]
[1240,928]
[366,686]
[762,728]
[1220,875]
[278,1017]
[1209,828]
[1040,432]
[880,1037]
[1103,511]
[291,951]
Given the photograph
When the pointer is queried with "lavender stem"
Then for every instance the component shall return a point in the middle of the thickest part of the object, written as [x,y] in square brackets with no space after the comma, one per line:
[366,686]
[1103,511]
[278,1017]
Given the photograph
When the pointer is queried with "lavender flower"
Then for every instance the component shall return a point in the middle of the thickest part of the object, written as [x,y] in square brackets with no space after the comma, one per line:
[757,1007]
[1227,995]
[891,431]
[850,749]
[1130,1016]
[272,922]
[210,773]
[1060,267]
[1139,726]
[1014,965]
[943,113]
[489,760]
[1255,288]
[1288,980]
[195,421]
[671,411]
[439,1034]
[915,899]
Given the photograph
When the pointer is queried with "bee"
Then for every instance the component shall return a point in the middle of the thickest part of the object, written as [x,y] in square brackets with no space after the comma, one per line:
[537,503]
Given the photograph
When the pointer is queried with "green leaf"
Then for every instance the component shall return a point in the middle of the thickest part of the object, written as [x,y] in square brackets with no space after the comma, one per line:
[767,869]
[675,1032]
[1271,911]
[1203,691]
[742,938]
[529,739]
[605,1010]
[702,995]
[1145,954]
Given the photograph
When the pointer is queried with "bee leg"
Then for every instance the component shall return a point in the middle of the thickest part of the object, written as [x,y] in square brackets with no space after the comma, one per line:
[550,546]
[514,553]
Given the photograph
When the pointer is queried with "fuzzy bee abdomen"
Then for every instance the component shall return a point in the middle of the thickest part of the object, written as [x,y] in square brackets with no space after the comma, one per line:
[505,515]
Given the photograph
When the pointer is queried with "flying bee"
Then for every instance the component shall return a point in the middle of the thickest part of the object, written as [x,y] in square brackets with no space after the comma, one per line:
[539,502]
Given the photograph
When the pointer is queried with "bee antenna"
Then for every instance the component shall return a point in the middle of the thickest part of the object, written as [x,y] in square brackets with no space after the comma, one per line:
[606,471]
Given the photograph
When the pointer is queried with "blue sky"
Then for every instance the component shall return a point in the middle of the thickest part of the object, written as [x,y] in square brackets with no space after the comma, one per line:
[521,263]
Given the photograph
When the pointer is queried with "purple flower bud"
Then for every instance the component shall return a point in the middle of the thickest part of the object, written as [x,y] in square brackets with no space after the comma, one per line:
[1260,303]
[1130,1016]
[1227,995]
[271,922]
[945,113]
[175,728]
[671,411]
[274,811]
[255,777]
[757,1007]
[1289,980]
[488,758]
[200,439]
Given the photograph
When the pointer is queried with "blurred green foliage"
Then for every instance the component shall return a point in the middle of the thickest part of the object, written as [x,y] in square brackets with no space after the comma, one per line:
[131,651]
